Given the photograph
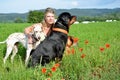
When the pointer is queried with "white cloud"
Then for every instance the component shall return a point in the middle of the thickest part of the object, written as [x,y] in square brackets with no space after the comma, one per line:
[74,3]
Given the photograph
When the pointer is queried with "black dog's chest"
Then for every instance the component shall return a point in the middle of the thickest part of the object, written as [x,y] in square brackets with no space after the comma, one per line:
[51,46]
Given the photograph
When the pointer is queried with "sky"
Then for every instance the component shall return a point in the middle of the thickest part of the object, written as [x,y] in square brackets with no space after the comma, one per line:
[23,6]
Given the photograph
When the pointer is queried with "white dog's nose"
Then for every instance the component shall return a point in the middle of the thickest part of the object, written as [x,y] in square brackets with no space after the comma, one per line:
[38,38]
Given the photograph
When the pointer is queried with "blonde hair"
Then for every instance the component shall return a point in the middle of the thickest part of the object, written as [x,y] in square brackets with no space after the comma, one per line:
[47,10]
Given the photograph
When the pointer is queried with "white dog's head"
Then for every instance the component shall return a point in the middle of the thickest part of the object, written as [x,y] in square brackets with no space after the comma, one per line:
[38,32]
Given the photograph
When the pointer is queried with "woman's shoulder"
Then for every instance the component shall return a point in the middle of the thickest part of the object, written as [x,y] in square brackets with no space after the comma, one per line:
[37,24]
[30,28]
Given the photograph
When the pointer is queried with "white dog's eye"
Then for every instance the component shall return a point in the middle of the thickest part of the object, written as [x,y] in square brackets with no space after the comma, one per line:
[36,31]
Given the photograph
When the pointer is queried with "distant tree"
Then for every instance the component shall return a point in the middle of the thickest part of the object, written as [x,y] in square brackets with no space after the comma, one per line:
[35,16]
[18,20]
[118,16]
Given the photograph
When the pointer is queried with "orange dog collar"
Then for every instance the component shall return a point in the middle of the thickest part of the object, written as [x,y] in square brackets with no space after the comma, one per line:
[60,30]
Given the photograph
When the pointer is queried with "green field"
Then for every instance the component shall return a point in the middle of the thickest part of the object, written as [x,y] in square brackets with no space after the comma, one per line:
[99,59]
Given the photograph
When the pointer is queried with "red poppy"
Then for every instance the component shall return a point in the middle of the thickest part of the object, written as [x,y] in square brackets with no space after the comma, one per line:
[107,45]
[73,50]
[75,40]
[83,55]
[86,42]
[68,51]
[102,49]
[53,69]
[80,49]
[48,79]
[44,70]
[57,65]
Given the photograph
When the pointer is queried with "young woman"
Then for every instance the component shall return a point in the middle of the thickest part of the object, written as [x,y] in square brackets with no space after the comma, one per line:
[47,23]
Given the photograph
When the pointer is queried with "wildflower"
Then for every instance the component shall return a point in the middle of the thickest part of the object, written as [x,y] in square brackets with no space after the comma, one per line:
[83,55]
[49,74]
[62,79]
[44,70]
[73,50]
[80,49]
[107,45]
[53,69]
[75,40]
[101,49]
[48,79]
[68,51]
[57,65]
[86,42]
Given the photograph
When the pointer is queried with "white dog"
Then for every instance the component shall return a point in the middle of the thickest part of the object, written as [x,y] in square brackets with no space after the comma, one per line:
[14,38]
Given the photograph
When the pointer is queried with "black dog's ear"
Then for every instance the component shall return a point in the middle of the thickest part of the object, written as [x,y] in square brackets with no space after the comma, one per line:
[73,19]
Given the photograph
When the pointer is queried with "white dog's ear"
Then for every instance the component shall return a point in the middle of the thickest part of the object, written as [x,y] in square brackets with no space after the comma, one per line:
[32,32]
[42,28]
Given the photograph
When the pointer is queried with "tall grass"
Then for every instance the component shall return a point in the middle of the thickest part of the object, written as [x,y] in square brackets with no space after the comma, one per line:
[94,62]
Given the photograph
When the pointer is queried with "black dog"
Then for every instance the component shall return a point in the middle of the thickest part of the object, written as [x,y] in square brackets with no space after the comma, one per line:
[54,45]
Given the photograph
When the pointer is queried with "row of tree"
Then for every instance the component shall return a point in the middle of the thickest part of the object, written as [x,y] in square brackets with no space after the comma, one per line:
[37,16]
[114,16]
[33,17]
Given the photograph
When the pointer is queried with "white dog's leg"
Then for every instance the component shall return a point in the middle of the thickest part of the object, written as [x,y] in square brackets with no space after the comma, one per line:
[15,50]
[27,56]
[28,51]
[9,50]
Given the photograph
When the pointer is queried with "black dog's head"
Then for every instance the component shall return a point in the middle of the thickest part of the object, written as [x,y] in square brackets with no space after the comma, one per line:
[65,19]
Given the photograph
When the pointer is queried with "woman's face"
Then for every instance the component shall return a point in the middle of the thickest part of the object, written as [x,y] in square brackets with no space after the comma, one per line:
[50,18]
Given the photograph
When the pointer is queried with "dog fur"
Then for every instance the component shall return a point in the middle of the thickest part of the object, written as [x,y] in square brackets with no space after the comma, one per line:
[53,46]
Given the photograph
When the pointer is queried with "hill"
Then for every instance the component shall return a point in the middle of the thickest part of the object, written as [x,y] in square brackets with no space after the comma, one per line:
[89,12]
[10,17]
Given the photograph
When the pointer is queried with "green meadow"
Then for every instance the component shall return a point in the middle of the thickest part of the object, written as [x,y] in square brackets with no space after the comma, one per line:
[95,57]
